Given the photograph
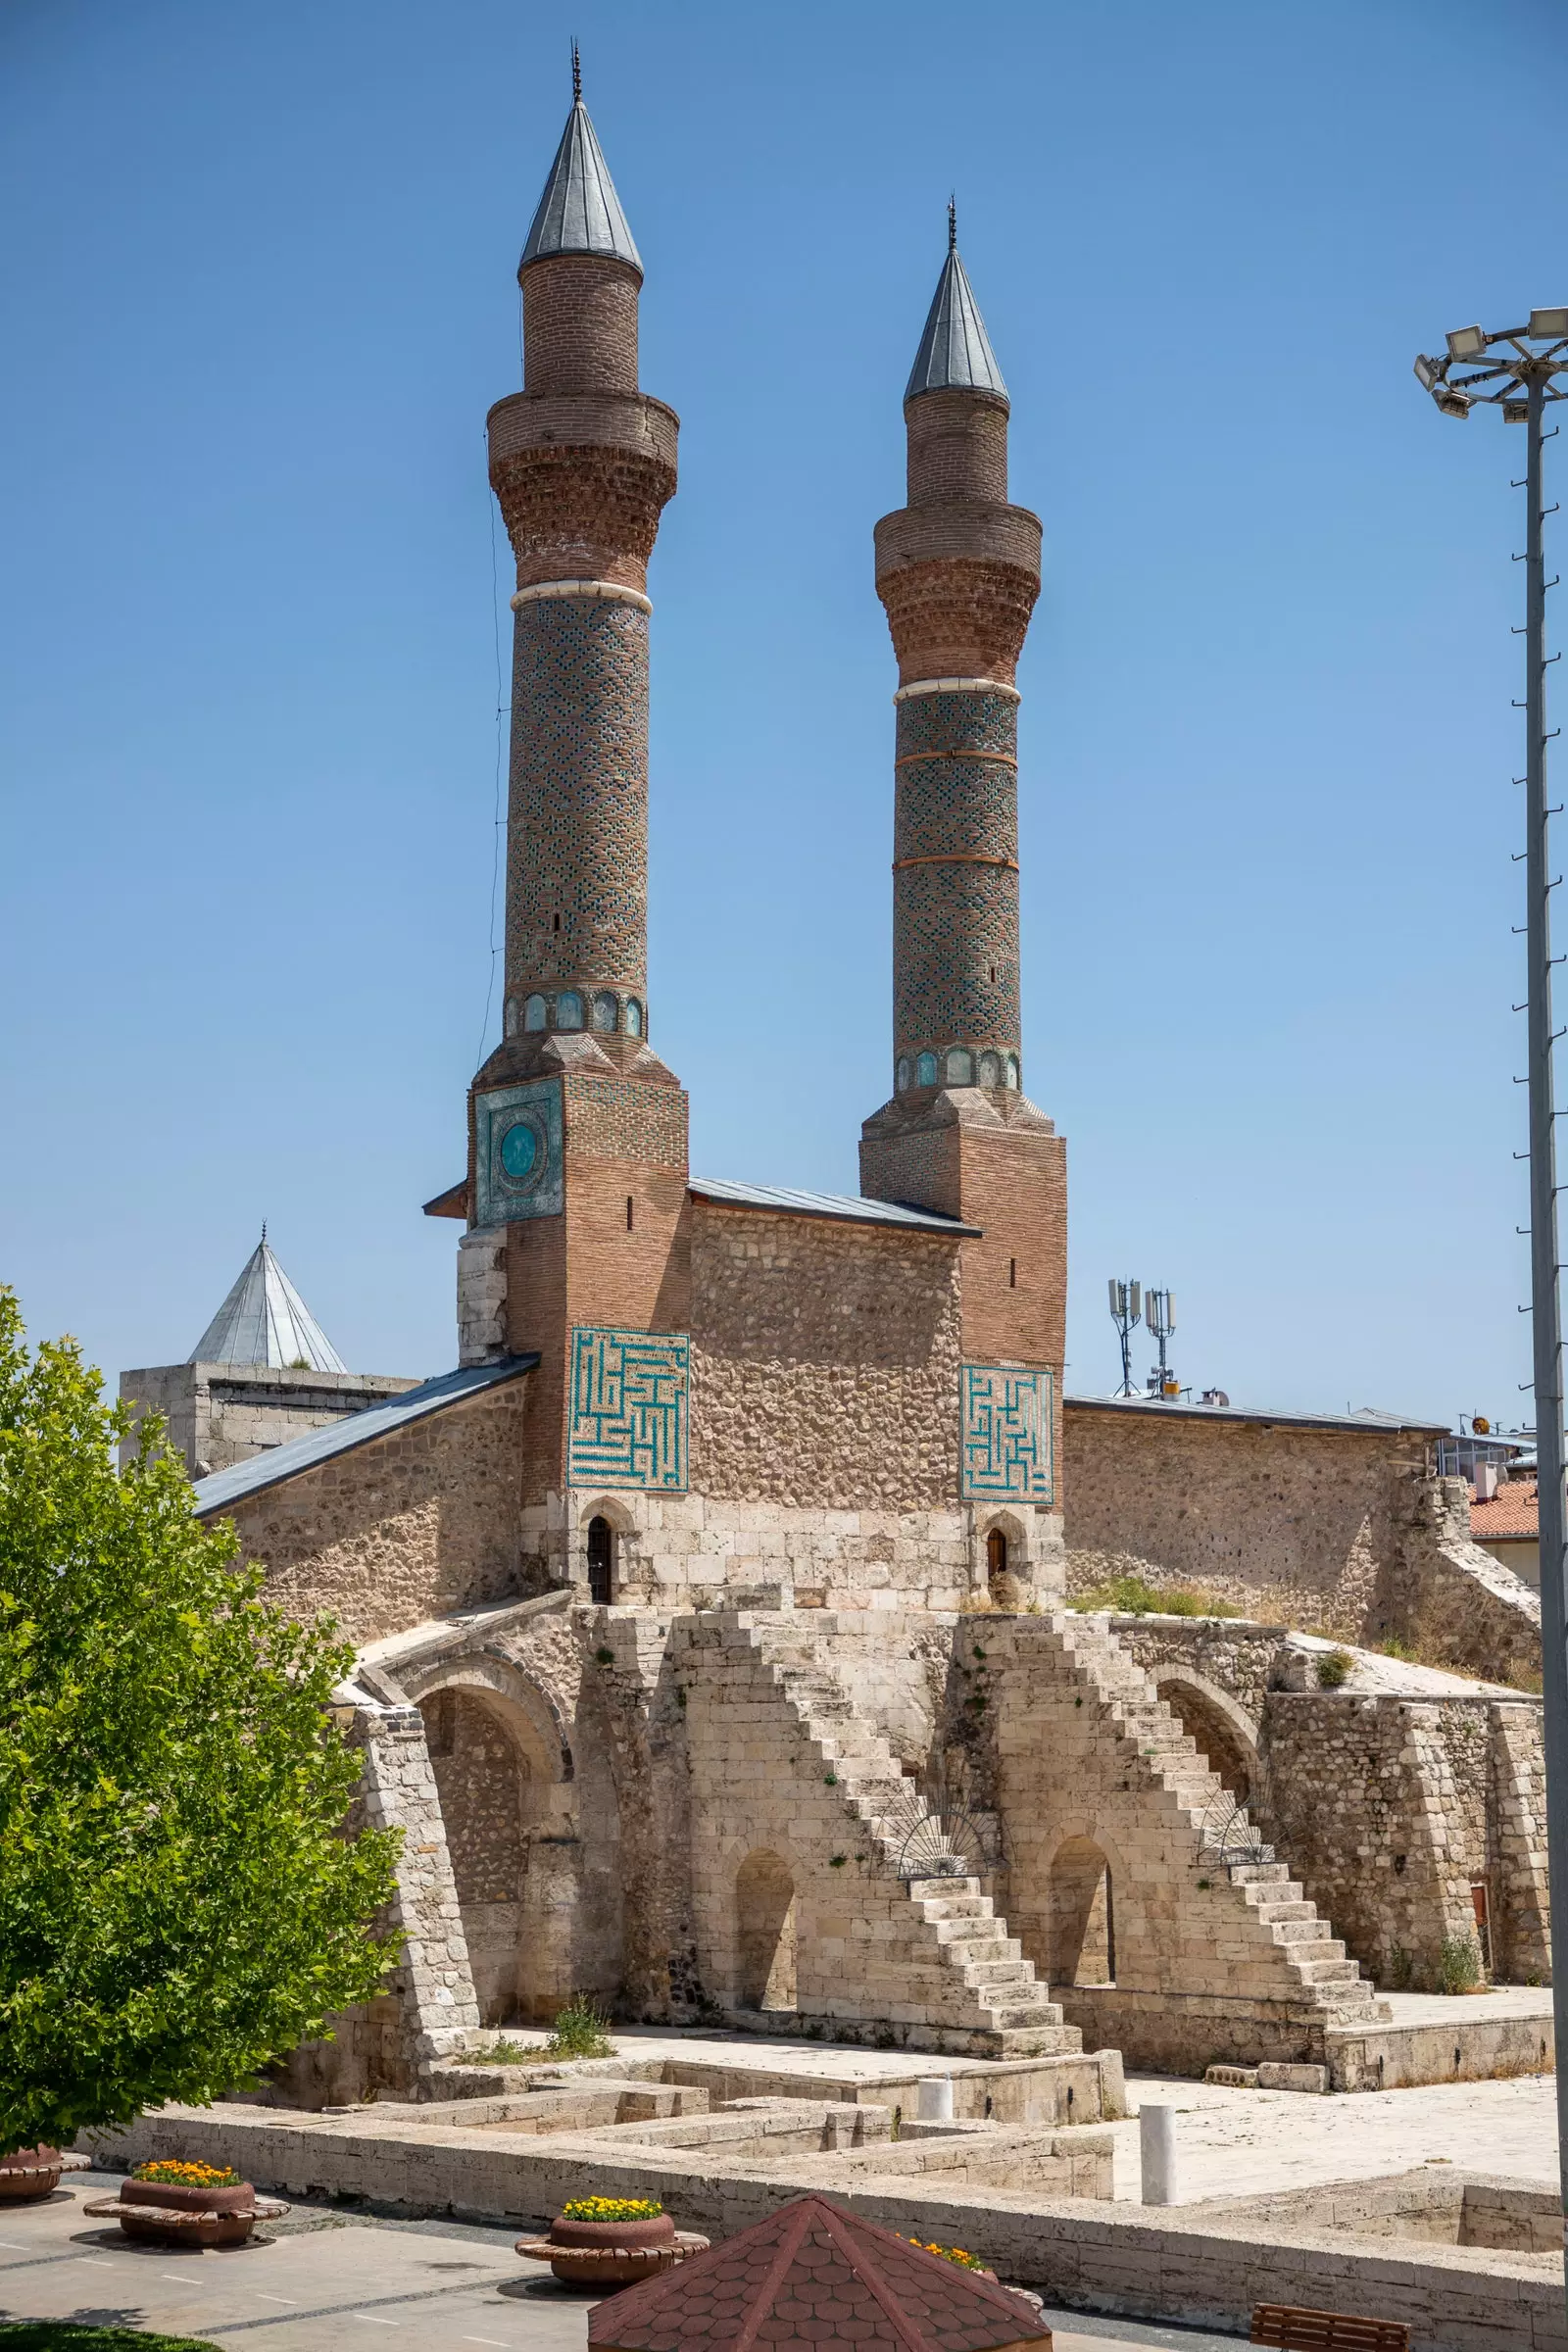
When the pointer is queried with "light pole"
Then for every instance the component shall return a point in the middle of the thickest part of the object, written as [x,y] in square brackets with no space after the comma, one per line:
[1517,370]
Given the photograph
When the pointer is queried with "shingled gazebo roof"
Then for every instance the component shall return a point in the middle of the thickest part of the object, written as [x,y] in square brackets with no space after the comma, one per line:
[813,2276]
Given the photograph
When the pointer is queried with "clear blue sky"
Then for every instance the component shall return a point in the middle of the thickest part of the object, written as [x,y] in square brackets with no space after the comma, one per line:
[258,292]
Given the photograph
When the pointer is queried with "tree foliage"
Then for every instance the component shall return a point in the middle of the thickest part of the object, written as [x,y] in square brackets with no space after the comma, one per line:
[178,1900]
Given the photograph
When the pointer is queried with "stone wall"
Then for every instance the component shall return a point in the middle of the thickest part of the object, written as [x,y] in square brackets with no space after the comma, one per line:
[427,2008]
[220,1414]
[824,1363]
[1390,1811]
[1290,1523]
[407,1527]
[1338,1530]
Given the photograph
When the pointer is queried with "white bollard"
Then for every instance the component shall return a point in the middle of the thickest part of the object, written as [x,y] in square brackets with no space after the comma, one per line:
[1156,2146]
[934,2099]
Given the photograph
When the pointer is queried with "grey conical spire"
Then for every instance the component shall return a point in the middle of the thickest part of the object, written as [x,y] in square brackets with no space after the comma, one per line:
[955,353]
[264,1320]
[579,211]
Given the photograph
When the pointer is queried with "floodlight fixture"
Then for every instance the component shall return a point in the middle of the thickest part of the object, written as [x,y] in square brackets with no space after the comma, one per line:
[1428,372]
[1549,327]
[1452,403]
[1467,343]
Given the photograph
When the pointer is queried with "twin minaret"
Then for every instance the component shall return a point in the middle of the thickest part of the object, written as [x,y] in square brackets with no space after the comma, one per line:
[576,1121]
[582,463]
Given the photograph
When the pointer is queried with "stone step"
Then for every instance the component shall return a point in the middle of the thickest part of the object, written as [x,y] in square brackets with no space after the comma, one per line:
[1260,1874]
[958,1908]
[1008,2017]
[1329,1972]
[1275,1915]
[1306,1939]
[1005,1975]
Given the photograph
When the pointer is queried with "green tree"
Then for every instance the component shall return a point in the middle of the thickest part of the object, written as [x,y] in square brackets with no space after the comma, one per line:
[178,1900]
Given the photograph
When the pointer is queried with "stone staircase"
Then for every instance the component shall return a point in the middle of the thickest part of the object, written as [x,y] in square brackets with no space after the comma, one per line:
[953,1955]
[1286,1931]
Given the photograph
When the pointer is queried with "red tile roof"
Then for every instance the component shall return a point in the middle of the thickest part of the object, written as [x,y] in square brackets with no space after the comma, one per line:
[1512,1511]
[809,2277]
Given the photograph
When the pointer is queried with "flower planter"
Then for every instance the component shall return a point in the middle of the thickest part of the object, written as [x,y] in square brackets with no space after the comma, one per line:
[28,2172]
[157,2213]
[605,2255]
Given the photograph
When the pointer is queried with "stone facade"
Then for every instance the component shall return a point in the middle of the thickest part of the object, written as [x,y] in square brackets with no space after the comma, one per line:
[712,1656]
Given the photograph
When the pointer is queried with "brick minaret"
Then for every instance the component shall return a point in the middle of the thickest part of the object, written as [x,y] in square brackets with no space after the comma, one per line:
[582,463]
[958,571]
[575,1196]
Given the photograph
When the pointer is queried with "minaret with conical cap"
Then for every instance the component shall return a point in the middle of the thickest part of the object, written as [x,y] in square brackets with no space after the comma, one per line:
[958,571]
[582,464]
[576,1184]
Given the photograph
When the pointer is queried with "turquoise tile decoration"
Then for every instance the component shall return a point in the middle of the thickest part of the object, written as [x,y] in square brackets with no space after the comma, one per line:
[1008,1435]
[627,1411]
[519,1158]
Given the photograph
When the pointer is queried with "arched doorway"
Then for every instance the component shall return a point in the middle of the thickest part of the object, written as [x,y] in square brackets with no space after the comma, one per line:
[1219,1736]
[601,1561]
[996,1554]
[764,1933]
[1081,1916]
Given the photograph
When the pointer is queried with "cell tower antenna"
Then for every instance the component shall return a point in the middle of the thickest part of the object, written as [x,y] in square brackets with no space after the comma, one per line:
[1159,1319]
[1126,1305]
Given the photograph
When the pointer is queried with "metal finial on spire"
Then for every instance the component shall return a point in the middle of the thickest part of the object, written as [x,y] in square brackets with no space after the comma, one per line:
[263,1232]
[952,225]
[577,75]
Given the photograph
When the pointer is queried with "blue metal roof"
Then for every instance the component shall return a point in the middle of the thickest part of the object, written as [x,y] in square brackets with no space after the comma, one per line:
[846,1207]
[579,211]
[280,1462]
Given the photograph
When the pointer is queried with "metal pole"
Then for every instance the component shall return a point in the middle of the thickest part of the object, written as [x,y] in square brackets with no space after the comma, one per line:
[1543,1296]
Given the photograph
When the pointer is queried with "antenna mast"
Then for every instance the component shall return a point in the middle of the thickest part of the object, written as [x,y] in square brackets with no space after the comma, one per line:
[1126,1304]
[1160,1318]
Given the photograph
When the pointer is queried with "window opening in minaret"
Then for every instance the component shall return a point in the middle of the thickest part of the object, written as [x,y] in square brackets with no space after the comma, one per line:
[569,1011]
[628,1212]
[903,1079]
[533,1013]
[605,1009]
[990,1070]
[600,1560]
[961,1066]
[1012,1070]
[634,1018]
[1012,1273]
[925,1071]
[555,926]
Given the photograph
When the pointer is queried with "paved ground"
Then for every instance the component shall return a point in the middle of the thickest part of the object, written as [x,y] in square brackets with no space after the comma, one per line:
[440,2286]
[1233,2144]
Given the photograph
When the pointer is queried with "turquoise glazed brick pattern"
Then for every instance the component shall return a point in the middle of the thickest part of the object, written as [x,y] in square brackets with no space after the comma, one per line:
[577,825]
[1008,1435]
[956,926]
[518,1155]
[627,1411]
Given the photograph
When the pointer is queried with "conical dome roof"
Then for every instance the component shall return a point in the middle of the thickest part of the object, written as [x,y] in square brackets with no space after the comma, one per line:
[264,1320]
[579,211]
[954,351]
[808,2278]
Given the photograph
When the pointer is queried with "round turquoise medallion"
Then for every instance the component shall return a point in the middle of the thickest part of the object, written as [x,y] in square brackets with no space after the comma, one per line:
[519,1149]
